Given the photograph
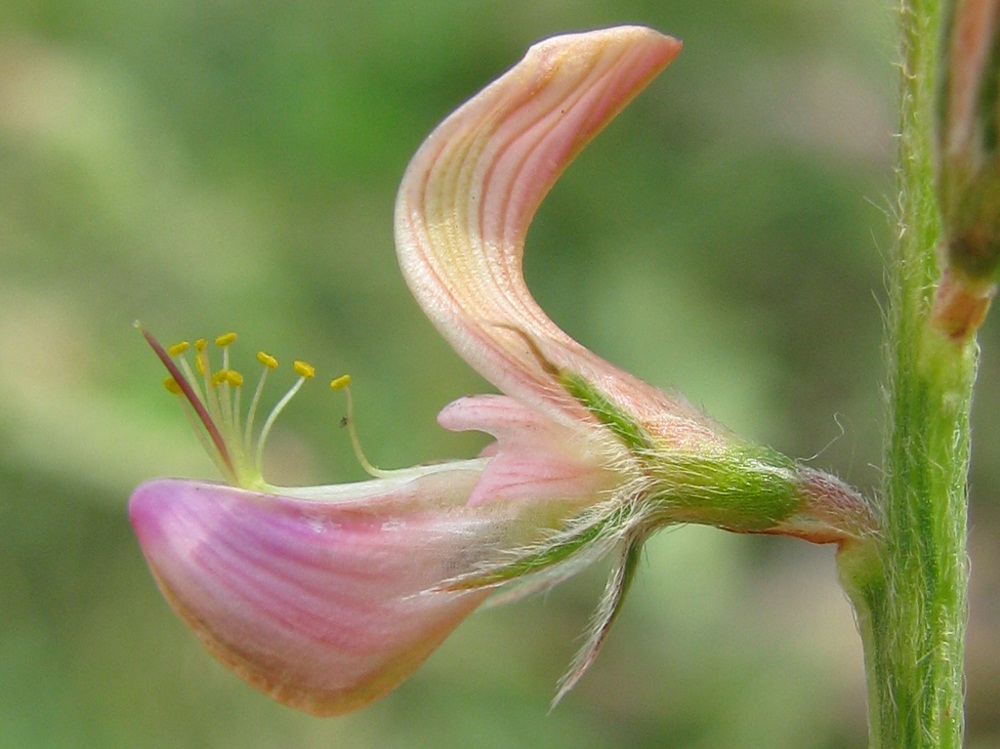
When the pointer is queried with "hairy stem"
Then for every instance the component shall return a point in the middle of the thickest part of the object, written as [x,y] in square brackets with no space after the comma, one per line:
[908,584]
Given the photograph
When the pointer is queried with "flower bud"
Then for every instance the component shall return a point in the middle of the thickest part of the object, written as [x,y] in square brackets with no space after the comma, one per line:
[968,138]
[968,166]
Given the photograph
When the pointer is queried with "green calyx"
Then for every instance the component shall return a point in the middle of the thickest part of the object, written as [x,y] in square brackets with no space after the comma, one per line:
[746,489]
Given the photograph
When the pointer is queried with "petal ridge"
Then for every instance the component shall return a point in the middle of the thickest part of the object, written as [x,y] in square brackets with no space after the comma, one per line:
[469,194]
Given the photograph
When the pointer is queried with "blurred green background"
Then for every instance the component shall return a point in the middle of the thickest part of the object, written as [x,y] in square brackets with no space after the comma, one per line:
[207,166]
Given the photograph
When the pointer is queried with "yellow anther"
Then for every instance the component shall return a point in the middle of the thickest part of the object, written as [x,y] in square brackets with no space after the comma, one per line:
[267,360]
[219,377]
[303,369]
[178,348]
[224,340]
[199,345]
[340,382]
[171,385]
[199,362]
[234,378]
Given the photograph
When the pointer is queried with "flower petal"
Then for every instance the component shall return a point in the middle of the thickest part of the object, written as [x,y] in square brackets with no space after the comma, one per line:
[324,606]
[534,457]
[470,192]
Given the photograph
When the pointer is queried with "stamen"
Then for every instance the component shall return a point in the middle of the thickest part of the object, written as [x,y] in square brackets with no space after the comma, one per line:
[305,372]
[213,400]
[303,369]
[234,381]
[223,342]
[200,357]
[212,403]
[343,383]
[269,363]
[220,396]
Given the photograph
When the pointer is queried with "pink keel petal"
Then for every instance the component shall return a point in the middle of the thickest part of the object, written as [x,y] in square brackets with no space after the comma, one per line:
[321,605]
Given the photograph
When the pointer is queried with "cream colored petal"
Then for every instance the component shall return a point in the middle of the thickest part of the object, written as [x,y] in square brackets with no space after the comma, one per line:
[469,195]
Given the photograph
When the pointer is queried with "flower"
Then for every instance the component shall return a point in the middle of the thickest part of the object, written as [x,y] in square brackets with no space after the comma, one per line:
[327,597]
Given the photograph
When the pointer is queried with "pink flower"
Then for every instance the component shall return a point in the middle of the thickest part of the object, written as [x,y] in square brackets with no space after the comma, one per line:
[327,597]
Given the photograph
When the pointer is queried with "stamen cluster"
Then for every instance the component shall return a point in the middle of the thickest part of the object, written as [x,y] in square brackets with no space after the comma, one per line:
[212,402]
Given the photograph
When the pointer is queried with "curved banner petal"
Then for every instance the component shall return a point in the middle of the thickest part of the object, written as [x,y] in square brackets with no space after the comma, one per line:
[469,194]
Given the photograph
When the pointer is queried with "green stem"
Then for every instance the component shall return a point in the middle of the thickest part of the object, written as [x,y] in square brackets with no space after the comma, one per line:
[908,585]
